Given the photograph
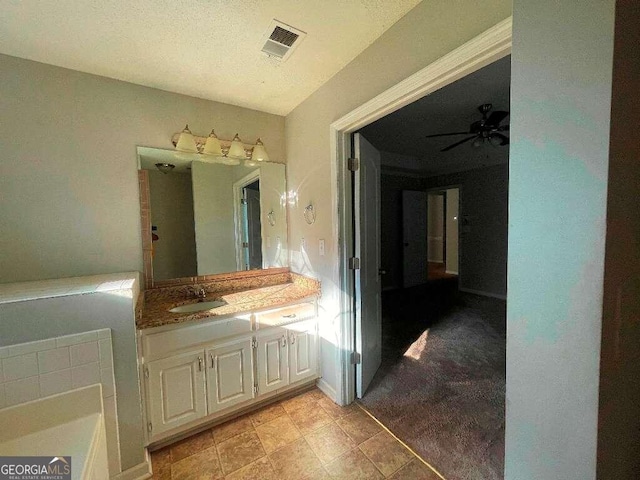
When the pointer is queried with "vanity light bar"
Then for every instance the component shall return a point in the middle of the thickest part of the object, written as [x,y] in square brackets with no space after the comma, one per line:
[187,142]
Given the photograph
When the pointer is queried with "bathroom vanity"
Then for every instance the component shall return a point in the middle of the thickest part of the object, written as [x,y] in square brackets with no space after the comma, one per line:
[203,367]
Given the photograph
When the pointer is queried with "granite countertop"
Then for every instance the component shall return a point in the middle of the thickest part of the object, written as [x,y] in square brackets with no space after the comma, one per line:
[239,300]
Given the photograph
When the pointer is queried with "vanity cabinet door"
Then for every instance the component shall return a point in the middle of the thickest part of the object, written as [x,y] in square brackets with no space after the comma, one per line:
[272,361]
[303,351]
[176,391]
[229,375]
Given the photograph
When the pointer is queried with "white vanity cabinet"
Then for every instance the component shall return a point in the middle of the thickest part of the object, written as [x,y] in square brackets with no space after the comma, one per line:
[229,374]
[195,373]
[176,387]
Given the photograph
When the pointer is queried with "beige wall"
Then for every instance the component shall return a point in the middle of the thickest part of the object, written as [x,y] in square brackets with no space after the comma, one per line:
[426,33]
[214,218]
[68,170]
[174,253]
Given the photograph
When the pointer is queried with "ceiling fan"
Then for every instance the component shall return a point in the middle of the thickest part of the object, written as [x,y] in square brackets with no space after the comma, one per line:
[486,130]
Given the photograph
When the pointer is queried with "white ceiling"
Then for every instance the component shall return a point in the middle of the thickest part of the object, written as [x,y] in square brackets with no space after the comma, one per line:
[450,109]
[203,48]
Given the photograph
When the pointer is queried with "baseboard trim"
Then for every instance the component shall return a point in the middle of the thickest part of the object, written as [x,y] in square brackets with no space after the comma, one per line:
[483,293]
[141,471]
[327,389]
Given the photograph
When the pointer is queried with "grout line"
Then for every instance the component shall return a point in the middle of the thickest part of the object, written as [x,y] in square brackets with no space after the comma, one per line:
[431,467]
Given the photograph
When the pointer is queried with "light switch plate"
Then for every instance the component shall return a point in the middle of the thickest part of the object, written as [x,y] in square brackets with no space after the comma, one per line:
[321,247]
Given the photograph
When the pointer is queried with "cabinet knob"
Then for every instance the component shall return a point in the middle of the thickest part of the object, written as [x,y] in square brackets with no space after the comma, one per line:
[292,340]
[284,341]
[200,364]
[212,360]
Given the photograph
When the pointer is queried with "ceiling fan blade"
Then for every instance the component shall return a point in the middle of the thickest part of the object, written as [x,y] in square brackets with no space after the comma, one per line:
[447,134]
[458,143]
[504,138]
[496,117]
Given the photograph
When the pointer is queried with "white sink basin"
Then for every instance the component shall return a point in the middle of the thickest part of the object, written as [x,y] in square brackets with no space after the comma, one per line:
[198,306]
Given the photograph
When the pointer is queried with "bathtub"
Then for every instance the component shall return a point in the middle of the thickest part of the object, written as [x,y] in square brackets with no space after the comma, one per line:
[68,424]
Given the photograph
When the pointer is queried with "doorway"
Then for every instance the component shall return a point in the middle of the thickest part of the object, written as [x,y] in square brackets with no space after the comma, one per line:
[248,222]
[424,357]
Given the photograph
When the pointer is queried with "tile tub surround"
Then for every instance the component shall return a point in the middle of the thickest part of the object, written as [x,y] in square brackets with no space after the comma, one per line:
[34,370]
[279,442]
[241,294]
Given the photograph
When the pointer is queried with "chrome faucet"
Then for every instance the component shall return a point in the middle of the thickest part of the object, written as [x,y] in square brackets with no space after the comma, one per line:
[200,293]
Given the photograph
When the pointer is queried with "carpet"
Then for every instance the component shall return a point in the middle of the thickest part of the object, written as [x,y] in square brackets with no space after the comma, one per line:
[441,386]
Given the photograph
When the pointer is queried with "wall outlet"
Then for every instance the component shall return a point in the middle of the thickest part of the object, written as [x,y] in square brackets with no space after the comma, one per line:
[321,247]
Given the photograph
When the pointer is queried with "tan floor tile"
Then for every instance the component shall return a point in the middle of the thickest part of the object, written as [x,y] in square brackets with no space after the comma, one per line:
[359,426]
[277,433]
[353,466]
[266,414]
[309,417]
[232,428]
[294,461]
[203,465]
[189,446]
[415,470]
[238,451]
[302,400]
[319,474]
[336,411]
[386,453]
[161,464]
[261,469]
[329,442]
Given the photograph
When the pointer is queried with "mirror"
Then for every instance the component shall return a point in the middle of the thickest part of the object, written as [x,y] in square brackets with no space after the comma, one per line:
[208,218]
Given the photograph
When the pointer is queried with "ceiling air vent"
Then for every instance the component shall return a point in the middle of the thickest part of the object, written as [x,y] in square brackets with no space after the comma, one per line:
[281,40]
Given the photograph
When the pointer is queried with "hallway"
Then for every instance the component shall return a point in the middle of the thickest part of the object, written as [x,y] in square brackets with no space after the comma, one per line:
[441,386]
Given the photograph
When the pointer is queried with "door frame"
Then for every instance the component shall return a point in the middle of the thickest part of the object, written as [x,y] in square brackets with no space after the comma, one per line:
[440,189]
[486,48]
[237,214]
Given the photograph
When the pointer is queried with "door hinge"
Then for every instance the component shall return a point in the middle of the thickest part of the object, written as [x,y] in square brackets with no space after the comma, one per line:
[146,372]
[353,164]
[355,358]
[149,427]
[254,343]
[354,263]
[245,244]
[255,390]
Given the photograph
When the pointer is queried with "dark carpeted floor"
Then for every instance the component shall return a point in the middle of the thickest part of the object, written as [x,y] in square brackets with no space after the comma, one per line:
[441,386]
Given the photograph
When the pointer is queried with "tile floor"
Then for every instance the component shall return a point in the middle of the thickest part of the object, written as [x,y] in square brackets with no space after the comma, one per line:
[304,437]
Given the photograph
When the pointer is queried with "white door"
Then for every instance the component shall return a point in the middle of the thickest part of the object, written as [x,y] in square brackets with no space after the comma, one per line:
[272,361]
[176,391]
[303,351]
[254,229]
[414,238]
[229,375]
[367,249]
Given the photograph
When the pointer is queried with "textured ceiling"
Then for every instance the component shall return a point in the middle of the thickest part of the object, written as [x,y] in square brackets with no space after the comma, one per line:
[450,109]
[204,48]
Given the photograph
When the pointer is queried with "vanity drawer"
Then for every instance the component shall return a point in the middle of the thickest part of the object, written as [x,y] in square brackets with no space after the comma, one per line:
[161,344]
[285,315]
